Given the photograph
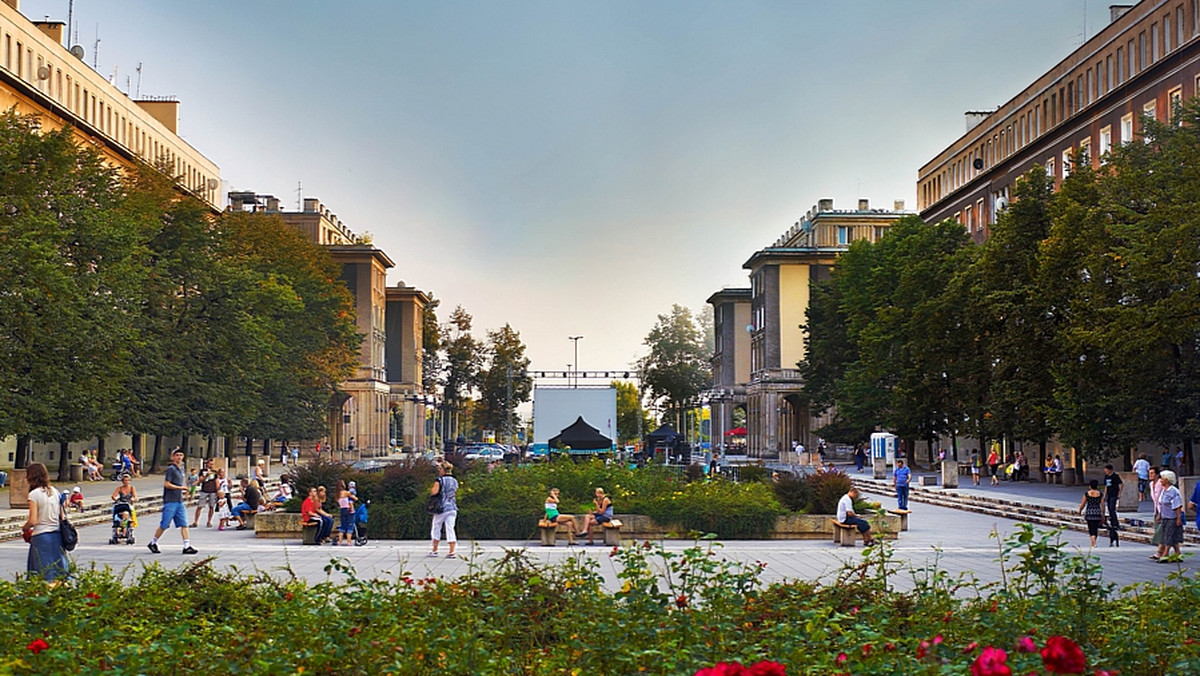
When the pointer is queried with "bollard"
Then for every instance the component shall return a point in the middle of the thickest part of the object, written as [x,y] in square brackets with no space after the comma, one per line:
[949,474]
[879,467]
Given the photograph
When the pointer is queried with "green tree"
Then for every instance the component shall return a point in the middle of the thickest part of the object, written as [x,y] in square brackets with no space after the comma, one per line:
[431,344]
[677,368]
[633,421]
[463,359]
[67,271]
[504,384]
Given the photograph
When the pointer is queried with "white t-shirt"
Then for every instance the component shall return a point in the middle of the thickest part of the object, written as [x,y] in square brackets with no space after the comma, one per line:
[845,506]
[1141,467]
[48,509]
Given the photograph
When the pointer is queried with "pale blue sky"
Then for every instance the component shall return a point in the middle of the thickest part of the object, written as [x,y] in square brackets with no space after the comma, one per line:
[575,168]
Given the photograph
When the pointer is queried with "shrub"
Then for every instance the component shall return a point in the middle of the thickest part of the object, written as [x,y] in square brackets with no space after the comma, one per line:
[751,473]
[794,492]
[827,488]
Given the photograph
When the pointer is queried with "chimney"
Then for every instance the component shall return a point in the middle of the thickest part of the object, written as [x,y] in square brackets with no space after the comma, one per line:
[1117,11]
[238,201]
[825,204]
[165,111]
[53,29]
[311,205]
[898,205]
[974,117]
[273,204]
[864,205]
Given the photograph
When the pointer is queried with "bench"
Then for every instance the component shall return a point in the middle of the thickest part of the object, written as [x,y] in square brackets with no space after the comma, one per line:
[310,533]
[612,532]
[1054,477]
[844,534]
[903,514]
[927,480]
[551,530]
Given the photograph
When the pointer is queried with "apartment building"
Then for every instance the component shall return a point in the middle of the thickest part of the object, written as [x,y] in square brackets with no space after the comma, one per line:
[1143,63]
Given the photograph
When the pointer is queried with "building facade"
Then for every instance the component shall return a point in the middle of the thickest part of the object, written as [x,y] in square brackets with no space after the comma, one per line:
[1142,64]
[730,362]
[781,280]
[39,75]
[411,428]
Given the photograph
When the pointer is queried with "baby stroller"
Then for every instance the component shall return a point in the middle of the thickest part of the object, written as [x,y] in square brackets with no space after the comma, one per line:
[123,522]
[360,524]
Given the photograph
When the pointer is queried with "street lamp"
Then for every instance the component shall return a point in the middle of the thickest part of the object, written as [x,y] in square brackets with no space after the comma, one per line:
[576,339]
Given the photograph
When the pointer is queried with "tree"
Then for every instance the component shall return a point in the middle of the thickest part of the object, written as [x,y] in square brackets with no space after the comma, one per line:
[431,343]
[66,278]
[633,421]
[677,368]
[464,359]
[504,384]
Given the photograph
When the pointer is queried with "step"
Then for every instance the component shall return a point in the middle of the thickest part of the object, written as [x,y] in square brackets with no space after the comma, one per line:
[1133,529]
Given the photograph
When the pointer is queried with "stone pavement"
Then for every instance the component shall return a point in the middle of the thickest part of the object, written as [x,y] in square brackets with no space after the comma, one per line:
[956,541]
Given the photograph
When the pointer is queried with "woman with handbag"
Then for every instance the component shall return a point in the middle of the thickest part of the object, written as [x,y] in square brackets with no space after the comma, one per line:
[47,557]
[446,487]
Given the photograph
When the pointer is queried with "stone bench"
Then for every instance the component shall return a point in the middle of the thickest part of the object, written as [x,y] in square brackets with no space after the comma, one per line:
[551,531]
[844,534]
[281,525]
[612,532]
[927,480]
[903,514]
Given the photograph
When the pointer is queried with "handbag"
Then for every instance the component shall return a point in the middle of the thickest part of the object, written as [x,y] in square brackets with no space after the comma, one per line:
[434,504]
[1158,533]
[70,536]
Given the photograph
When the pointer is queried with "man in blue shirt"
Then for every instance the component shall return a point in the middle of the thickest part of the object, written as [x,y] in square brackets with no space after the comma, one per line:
[901,478]
[174,512]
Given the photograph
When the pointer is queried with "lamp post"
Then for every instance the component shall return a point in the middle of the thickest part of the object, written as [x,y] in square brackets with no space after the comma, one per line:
[576,339]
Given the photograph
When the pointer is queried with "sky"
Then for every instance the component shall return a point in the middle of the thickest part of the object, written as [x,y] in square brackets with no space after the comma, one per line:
[575,168]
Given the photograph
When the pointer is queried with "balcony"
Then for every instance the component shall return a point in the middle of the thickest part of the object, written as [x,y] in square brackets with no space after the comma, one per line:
[777,376]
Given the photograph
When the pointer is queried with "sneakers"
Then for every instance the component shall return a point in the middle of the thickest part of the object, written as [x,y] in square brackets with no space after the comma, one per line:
[187,550]
[153,547]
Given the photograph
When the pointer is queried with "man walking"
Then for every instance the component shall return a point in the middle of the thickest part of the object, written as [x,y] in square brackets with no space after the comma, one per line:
[1112,493]
[173,508]
[902,479]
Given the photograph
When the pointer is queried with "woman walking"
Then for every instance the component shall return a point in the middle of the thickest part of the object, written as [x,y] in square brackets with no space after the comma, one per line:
[1170,509]
[1092,509]
[447,487]
[46,555]
[993,462]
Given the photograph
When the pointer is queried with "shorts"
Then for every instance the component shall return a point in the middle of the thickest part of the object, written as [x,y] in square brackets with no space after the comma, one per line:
[974,470]
[208,500]
[173,512]
[1143,486]
[603,518]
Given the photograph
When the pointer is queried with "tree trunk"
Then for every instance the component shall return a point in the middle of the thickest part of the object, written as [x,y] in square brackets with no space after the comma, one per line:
[100,451]
[64,463]
[24,450]
[158,442]
[266,447]
[208,447]
[138,446]
[1042,453]
[1188,449]
[249,446]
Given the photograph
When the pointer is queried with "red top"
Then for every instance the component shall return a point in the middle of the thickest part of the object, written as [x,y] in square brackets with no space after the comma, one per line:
[307,509]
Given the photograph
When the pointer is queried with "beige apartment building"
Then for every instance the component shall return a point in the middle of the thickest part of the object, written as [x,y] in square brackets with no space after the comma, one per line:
[39,75]
[774,310]
[411,426]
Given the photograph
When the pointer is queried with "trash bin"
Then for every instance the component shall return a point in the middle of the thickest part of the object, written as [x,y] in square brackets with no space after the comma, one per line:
[76,473]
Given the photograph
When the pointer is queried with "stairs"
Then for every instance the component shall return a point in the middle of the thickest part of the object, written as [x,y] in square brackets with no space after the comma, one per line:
[1133,529]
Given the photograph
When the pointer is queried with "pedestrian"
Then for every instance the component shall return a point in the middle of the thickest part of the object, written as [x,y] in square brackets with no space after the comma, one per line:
[295,455]
[975,467]
[1141,467]
[993,462]
[1156,489]
[260,474]
[41,530]
[346,501]
[1092,509]
[174,484]
[283,454]
[902,479]
[1112,493]
[1195,502]
[1170,506]
[860,456]
[846,515]
[208,493]
[447,487]
[1178,464]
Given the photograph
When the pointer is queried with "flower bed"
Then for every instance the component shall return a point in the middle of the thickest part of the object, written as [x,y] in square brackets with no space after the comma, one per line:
[674,613]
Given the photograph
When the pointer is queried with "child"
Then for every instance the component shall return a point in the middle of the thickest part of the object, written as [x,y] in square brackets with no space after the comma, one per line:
[76,499]
[193,482]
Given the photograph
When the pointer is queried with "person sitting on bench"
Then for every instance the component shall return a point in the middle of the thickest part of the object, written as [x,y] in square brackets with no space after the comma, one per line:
[602,515]
[552,514]
[846,515]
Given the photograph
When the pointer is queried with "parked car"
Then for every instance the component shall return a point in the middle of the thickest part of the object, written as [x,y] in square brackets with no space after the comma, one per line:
[489,453]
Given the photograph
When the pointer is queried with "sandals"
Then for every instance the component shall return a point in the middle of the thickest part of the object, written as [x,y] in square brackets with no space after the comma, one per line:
[432,555]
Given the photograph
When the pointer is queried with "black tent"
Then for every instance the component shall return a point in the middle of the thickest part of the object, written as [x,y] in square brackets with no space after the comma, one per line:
[580,436]
[664,437]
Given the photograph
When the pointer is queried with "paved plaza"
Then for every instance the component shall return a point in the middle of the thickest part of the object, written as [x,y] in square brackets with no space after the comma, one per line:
[957,542]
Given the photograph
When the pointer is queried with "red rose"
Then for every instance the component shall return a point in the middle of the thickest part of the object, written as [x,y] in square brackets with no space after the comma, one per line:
[1063,656]
[841,659]
[37,646]
[765,668]
[991,662]
[1026,645]
[681,601]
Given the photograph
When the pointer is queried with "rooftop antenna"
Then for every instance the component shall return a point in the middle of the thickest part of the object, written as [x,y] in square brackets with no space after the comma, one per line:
[96,49]
[299,196]
[70,20]
[139,80]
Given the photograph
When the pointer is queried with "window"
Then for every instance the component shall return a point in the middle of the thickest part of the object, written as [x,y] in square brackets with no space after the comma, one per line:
[1105,143]
[1151,109]
[879,232]
[1108,74]
[979,214]
[966,220]
[1120,64]
[1141,60]
[1175,103]
[1167,34]
[1050,167]
[843,234]
[1179,26]
[1085,151]
[1154,42]
[1066,160]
